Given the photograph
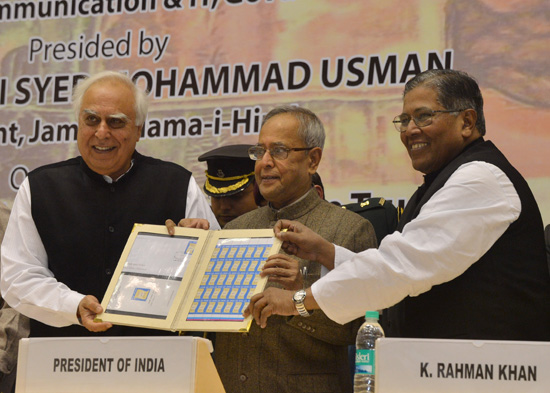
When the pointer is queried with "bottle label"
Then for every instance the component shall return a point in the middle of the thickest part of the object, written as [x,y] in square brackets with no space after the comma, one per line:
[364,361]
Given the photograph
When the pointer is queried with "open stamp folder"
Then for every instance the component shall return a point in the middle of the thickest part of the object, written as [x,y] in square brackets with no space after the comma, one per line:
[196,280]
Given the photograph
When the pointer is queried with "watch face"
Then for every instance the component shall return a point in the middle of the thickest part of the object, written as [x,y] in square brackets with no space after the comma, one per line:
[299,296]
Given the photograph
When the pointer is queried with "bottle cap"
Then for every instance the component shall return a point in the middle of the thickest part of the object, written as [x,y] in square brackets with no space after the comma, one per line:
[372,314]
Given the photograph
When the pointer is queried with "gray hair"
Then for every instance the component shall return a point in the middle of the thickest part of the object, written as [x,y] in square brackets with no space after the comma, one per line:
[141,104]
[455,90]
[311,129]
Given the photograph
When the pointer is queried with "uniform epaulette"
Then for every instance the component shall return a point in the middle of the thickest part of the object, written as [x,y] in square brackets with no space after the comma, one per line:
[399,213]
[368,204]
[382,214]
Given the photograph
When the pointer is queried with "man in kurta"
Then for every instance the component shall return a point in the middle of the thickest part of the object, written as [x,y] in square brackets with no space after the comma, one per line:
[307,352]
[467,260]
[70,220]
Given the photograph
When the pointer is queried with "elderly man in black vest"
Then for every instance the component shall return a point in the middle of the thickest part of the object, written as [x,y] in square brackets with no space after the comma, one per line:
[468,258]
[70,220]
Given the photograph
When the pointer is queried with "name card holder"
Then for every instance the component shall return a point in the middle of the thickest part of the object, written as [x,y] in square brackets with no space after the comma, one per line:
[116,365]
[458,366]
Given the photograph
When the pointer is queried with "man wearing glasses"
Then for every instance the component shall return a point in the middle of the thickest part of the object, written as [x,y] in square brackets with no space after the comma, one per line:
[70,220]
[467,260]
[293,354]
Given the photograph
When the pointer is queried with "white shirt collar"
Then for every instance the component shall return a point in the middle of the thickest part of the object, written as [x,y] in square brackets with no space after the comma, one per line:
[110,180]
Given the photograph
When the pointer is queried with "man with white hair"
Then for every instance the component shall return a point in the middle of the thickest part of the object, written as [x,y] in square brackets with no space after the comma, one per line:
[307,352]
[70,220]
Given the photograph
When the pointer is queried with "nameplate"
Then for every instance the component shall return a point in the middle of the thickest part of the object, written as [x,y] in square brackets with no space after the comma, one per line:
[453,366]
[116,364]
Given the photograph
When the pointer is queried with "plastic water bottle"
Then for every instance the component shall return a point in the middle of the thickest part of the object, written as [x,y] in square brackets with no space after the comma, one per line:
[369,331]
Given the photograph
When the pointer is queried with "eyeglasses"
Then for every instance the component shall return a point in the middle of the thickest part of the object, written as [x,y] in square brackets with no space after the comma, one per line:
[277,152]
[421,119]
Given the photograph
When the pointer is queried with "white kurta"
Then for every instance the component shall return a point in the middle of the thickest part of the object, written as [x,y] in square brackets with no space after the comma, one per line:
[33,289]
[457,226]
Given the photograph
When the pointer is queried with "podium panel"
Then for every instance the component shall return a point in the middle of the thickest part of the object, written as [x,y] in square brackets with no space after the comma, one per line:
[116,365]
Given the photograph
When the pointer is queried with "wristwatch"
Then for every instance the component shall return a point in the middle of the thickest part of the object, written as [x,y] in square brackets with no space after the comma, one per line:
[298,299]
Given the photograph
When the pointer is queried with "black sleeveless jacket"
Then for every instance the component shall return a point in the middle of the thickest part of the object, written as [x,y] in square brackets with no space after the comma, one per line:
[505,294]
[84,222]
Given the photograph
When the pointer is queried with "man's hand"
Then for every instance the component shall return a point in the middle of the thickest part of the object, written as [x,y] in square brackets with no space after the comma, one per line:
[88,308]
[272,301]
[284,270]
[199,223]
[301,241]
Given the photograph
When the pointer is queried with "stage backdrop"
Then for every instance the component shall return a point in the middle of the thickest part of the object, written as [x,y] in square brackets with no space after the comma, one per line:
[215,67]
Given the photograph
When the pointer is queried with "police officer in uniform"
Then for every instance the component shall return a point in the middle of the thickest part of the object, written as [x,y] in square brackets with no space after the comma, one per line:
[229,181]
[381,213]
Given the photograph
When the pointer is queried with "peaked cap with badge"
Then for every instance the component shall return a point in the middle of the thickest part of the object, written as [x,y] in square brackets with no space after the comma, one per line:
[229,170]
